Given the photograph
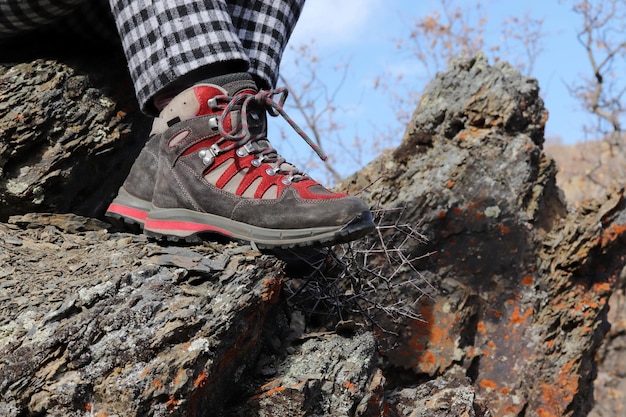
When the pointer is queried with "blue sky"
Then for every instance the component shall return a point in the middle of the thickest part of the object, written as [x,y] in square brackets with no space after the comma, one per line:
[364,33]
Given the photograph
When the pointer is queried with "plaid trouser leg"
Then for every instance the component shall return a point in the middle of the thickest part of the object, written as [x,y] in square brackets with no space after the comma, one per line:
[264,28]
[21,16]
[164,40]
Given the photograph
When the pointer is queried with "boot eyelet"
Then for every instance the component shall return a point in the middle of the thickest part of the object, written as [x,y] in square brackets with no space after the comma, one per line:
[213,124]
[286,181]
[241,152]
[270,172]
[256,163]
[206,156]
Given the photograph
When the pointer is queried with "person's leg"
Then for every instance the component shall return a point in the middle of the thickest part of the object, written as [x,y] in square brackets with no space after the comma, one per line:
[217,172]
[172,44]
[86,23]
[264,28]
[18,17]
[169,46]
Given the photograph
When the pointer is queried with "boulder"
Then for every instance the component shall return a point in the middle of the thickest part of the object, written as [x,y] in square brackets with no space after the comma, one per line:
[518,285]
[480,294]
[69,133]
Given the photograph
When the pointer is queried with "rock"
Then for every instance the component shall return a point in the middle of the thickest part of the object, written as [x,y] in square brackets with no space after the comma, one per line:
[485,295]
[326,375]
[518,285]
[610,385]
[103,325]
[69,134]
[436,398]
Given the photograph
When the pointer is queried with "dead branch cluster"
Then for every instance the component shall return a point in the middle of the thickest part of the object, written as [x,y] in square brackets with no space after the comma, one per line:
[374,280]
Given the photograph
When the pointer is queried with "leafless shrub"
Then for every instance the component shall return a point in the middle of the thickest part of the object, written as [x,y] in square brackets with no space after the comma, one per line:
[373,279]
[602,92]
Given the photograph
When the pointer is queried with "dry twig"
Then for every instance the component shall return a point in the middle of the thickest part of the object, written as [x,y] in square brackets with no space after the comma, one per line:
[370,279]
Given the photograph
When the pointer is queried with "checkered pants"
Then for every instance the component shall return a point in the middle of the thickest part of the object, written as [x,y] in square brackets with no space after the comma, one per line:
[165,40]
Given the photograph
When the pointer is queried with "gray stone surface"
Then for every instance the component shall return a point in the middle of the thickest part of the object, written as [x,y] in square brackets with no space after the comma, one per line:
[68,134]
[508,290]
[114,325]
[521,282]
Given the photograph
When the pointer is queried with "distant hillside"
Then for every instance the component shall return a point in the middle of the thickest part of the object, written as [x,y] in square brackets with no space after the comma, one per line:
[587,169]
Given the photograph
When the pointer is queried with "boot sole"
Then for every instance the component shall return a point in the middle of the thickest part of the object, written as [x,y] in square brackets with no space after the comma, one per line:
[127,212]
[166,224]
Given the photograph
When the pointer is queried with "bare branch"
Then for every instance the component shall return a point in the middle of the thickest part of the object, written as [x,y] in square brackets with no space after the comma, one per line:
[374,279]
[602,92]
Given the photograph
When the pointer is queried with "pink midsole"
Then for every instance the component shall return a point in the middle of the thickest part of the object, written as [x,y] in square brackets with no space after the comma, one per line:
[128,212]
[172,225]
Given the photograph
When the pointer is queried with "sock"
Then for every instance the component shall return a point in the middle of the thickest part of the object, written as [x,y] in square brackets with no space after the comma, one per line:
[162,98]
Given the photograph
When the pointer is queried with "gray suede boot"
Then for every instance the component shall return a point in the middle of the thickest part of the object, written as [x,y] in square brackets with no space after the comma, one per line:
[129,209]
[217,173]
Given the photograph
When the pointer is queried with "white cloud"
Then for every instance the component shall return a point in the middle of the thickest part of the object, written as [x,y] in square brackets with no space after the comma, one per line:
[333,22]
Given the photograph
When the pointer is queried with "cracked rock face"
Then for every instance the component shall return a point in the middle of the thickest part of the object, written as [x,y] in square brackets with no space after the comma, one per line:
[120,326]
[512,302]
[522,284]
[69,134]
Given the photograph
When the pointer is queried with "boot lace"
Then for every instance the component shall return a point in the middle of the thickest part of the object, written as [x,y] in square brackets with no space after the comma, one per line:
[240,134]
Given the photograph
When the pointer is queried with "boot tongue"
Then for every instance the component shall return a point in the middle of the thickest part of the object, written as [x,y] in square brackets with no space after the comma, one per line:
[192,102]
[256,114]
[232,88]
[233,83]
[237,83]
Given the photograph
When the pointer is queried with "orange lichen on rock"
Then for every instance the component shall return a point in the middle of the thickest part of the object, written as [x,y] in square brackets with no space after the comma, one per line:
[201,379]
[273,387]
[271,384]
[431,343]
[272,287]
[487,384]
[612,233]
[350,386]
[178,376]
[480,327]
[427,361]
[527,280]
[584,305]
[558,396]
[273,391]
[602,287]
[171,403]
[517,318]
[145,371]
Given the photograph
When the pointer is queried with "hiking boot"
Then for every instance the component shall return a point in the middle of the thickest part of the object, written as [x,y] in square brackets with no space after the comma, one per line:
[218,173]
[129,209]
